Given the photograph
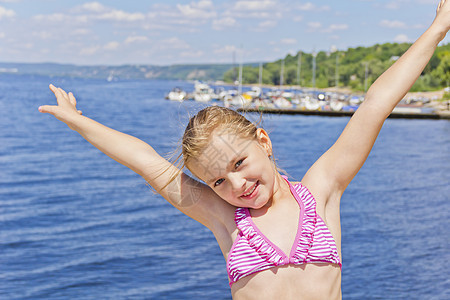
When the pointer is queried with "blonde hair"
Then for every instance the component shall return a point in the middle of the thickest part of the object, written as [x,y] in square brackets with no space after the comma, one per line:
[202,126]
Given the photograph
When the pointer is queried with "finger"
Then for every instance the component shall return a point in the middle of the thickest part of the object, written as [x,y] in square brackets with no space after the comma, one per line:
[63,92]
[54,89]
[441,3]
[57,92]
[50,109]
[72,99]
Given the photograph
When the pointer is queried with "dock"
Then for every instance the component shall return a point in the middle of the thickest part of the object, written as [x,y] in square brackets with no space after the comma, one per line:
[328,113]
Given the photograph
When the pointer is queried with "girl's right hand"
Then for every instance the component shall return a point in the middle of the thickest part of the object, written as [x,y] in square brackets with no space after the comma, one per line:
[66,109]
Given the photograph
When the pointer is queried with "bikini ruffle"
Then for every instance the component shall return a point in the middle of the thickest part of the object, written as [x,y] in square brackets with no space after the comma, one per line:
[265,249]
[255,240]
[305,240]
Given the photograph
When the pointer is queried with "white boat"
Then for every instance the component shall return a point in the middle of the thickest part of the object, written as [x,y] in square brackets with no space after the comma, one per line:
[274,92]
[255,92]
[237,101]
[177,94]
[356,100]
[229,95]
[311,104]
[288,94]
[336,105]
[282,102]
[203,92]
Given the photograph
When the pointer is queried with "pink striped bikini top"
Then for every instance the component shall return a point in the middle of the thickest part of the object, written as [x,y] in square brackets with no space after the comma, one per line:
[252,252]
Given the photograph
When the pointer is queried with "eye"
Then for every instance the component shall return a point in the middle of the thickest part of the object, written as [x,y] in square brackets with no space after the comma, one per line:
[238,163]
[218,182]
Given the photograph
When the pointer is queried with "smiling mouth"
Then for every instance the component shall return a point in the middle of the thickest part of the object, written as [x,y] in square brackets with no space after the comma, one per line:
[251,191]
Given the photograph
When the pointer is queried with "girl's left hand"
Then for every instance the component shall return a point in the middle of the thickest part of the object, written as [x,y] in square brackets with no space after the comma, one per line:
[442,20]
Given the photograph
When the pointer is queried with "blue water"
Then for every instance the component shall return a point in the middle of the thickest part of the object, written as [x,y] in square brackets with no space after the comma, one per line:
[75,224]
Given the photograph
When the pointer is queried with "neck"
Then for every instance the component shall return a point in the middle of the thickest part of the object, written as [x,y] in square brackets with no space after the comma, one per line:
[281,191]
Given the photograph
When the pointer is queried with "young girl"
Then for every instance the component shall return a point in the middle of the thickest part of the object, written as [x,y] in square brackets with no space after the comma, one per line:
[281,240]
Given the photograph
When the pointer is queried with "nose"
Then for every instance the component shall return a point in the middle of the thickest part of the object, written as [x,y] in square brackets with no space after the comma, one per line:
[237,182]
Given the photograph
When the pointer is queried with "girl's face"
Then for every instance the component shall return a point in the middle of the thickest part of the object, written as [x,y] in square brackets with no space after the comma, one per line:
[238,170]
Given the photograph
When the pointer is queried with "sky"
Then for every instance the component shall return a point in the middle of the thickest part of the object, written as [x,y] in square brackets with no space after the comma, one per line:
[166,32]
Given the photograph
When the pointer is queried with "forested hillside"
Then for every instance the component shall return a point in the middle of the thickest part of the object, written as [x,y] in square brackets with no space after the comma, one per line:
[356,68]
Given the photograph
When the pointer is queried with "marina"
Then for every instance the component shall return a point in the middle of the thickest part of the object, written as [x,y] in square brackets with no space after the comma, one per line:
[303,101]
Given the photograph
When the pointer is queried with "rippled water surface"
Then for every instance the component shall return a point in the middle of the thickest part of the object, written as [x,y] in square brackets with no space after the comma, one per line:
[75,224]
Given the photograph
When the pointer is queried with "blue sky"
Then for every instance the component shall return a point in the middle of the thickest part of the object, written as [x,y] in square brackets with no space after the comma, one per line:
[165,32]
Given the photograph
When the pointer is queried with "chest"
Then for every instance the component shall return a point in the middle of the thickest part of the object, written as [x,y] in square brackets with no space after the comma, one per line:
[280,225]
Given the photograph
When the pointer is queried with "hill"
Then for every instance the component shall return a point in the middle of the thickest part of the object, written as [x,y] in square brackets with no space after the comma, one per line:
[181,72]
[356,68]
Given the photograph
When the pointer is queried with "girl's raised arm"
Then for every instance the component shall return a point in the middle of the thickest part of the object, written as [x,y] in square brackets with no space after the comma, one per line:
[185,193]
[331,174]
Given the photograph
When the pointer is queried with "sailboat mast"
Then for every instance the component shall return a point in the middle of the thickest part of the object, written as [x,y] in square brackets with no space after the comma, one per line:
[260,74]
[314,69]
[240,73]
[299,68]
[282,73]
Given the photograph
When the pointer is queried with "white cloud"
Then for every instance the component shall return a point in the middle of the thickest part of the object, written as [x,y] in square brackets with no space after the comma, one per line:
[111,46]
[228,49]
[203,9]
[261,15]
[288,41]
[335,37]
[91,11]
[2,35]
[88,51]
[6,13]
[392,5]
[267,24]
[392,24]
[95,7]
[402,38]
[120,15]
[56,17]
[192,54]
[135,39]
[173,43]
[312,26]
[81,31]
[252,5]
[276,49]
[297,19]
[224,23]
[62,18]
[307,6]
[256,9]
[336,27]
[43,35]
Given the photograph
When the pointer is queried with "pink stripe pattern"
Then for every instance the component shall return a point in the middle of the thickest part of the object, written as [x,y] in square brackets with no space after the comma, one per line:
[252,252]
